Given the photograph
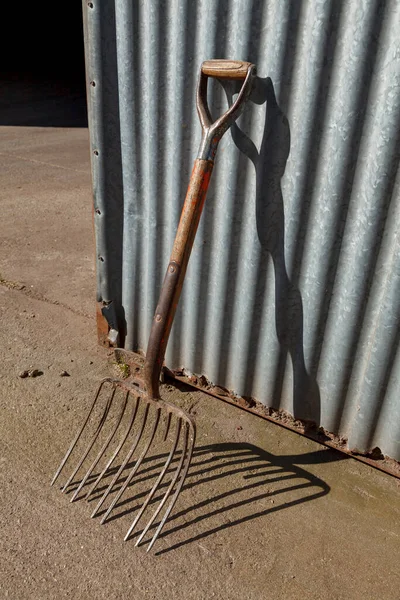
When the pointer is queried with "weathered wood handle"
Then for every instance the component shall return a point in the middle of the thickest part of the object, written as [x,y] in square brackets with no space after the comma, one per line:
[173,281]
[225,69]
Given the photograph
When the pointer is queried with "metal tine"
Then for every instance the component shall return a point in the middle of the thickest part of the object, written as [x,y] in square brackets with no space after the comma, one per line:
[78,435]
[125,462]
[178,489]
[168,425]
[167,493]
[108,465]
[160,478]
[102,450]
[135,468]
[95,436]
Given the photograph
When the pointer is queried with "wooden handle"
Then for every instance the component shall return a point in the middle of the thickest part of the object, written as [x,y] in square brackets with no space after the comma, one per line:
[173,281]
[226,69]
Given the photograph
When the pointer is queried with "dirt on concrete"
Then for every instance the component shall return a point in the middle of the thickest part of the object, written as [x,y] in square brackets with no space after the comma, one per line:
[264,513]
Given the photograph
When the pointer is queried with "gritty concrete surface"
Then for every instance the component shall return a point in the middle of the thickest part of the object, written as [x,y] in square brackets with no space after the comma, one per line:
[264,513]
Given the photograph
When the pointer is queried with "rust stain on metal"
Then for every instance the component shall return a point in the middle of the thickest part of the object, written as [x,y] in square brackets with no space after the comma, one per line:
[102,326]
[382,463]
[252,406]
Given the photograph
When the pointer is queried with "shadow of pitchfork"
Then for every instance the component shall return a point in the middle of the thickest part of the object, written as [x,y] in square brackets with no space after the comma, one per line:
[255,483]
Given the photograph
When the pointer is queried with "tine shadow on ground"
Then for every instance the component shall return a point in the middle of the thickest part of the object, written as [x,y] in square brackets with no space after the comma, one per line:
[228,484]
[251,483]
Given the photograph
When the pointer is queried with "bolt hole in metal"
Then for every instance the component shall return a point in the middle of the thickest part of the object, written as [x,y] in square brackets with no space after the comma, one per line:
[98,211]
[101,259]
[96,152]
[93,83]
[90,4]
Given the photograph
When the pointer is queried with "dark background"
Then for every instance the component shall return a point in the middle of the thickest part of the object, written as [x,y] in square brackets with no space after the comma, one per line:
[42,77]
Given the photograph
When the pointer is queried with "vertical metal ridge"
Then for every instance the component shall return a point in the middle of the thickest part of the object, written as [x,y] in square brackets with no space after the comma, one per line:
[217,208]
[184,147]
[141,82]
[193,295]
[129,106]
[360,243]
[255,372]
[375,353]
[332,193]
[148,79]
[382,416]
[234,318]
[95,112]
[271,228]
[292,289]
[174,64]
[211,40]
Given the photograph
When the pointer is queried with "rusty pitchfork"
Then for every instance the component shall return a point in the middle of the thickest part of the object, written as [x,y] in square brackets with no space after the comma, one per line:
[142,394]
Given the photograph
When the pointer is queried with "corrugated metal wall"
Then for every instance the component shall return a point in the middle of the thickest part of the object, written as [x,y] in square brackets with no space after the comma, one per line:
[293,290]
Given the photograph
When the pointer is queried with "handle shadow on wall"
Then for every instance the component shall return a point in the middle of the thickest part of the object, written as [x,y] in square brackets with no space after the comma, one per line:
[270,163]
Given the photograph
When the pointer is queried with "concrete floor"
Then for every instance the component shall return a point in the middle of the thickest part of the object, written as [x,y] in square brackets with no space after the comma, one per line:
[264,514]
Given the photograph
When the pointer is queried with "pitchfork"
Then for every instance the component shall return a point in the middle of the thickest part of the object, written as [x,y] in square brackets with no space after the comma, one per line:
[141,409]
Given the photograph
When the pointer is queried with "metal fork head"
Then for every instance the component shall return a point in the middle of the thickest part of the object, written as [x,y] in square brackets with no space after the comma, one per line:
[113,450]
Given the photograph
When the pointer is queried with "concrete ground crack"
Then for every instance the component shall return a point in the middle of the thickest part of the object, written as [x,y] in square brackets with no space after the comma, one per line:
[41,162]
[19,287]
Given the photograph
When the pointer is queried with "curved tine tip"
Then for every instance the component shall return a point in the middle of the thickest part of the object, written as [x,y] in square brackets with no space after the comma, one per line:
[167,494]
[158,481]
[186,451]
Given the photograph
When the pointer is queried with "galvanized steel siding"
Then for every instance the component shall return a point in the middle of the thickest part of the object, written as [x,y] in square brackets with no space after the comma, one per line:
[292,292]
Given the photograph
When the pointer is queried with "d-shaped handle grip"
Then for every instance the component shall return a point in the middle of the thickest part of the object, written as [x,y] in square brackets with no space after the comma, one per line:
[214,130]
[225,69]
